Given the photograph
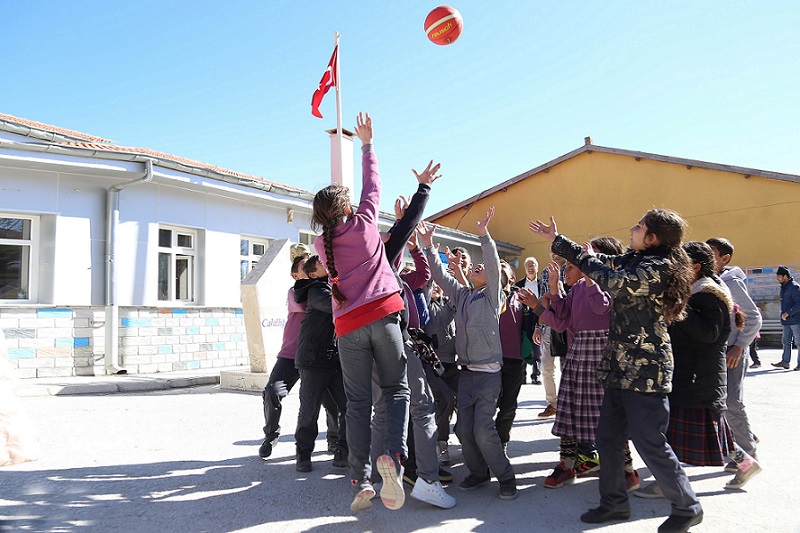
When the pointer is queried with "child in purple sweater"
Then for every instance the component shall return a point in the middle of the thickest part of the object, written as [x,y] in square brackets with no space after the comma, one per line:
[584,313]
[366,312]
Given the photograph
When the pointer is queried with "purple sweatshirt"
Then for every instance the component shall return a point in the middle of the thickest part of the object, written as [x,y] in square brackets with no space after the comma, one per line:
[364,272]
[511,328]
[583,308]
[291,331]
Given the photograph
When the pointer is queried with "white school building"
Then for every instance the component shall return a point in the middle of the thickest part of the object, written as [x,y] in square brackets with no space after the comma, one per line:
[119,259]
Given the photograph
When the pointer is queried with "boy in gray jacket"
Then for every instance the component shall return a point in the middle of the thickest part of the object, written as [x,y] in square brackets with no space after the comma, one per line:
[481,358]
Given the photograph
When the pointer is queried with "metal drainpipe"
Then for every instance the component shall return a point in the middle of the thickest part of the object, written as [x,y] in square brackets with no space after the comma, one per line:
[112,364]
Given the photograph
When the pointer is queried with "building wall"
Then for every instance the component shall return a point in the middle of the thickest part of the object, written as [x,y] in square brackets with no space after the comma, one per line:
[60,342]
[61,332]
[596,194]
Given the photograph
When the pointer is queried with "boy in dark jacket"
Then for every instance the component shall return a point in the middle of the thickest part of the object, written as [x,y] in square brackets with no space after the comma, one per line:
[317,360]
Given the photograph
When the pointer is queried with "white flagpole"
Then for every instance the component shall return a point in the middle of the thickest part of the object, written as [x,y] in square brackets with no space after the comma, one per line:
[339,107]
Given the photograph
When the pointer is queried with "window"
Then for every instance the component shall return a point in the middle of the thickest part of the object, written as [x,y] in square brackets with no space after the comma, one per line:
[176,264]
[18,254]
[307,238]
[252,248]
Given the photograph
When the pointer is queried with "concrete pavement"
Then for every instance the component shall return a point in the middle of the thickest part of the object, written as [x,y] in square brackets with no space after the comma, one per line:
[184,459]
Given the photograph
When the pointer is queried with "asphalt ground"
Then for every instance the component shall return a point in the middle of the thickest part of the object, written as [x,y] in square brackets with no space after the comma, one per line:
[173,452]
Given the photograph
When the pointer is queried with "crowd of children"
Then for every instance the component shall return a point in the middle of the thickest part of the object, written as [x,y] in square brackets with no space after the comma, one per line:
[399,355]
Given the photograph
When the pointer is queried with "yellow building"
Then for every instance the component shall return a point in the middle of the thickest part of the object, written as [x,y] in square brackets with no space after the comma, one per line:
[596,190]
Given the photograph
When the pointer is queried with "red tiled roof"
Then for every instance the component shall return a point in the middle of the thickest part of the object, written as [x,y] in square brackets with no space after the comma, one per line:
[175,158]
[53,129]
[100,144]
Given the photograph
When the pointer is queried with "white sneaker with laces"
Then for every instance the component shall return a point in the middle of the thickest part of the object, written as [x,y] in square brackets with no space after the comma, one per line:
[432,493]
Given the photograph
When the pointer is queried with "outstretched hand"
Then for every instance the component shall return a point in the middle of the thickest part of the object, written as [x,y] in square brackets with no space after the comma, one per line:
[426,233]
[429,175]
[549,232]
[483,225]
[400,206]
[364,128]
[527,297]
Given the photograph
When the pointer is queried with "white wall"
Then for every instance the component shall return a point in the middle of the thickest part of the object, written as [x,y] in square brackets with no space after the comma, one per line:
[72,206]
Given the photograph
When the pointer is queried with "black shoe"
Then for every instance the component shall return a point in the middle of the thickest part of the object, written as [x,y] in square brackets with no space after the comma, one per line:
[340,457]
[680,524]
[445,476]
[536,381]
[598,515]
[303,463]
[473,482]
[410,477]
[508,489]
[265,450]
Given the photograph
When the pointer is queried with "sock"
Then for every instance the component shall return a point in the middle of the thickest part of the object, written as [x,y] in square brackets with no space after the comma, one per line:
[569,452]
[628,457]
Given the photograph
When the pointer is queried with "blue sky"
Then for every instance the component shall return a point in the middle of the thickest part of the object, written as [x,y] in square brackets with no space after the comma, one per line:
[230,83]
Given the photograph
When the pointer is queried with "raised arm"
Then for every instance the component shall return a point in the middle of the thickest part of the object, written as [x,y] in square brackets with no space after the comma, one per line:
[406,226]
[450,286]
[370,179]
[491,261]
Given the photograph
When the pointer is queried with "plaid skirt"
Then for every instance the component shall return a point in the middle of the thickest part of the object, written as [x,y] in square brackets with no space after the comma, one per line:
[580,394]
[699,436]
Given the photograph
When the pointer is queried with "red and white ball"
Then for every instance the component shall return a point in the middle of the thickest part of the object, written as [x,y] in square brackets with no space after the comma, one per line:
[443,25]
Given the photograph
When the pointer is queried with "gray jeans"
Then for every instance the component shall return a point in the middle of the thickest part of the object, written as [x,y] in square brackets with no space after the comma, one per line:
[480,443]
[423,419]
[736,415]
[380,343]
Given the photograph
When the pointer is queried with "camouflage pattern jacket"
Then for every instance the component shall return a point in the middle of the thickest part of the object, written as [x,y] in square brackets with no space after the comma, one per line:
[639,353]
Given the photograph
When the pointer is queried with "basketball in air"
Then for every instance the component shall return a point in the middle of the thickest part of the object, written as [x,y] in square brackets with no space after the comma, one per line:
[443,25]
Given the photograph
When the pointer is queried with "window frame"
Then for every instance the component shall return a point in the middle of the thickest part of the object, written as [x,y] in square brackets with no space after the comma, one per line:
[251,258]
[177,254]
[34,245]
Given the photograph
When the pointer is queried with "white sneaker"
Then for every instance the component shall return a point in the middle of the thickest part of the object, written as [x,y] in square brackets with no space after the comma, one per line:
[392,494]
[444,452]
[432,493]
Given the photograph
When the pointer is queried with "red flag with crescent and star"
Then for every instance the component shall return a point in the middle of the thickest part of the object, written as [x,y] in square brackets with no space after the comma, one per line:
[328,80]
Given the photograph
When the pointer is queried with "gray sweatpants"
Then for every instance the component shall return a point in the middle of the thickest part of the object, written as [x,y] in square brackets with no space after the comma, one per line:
[736,415]
[480,443]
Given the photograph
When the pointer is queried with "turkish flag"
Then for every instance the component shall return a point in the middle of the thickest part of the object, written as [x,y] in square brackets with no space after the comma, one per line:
[328,80]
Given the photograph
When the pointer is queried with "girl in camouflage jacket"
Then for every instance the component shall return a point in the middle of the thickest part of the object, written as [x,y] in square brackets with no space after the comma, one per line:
[650,286]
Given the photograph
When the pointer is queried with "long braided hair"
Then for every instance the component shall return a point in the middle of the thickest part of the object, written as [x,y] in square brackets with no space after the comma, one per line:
[669,226]
[330,205]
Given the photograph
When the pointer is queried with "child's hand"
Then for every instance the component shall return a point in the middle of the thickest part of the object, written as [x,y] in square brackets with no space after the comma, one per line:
[483,225]
[527,297]
[452,258]
[426,233]
[553,273]
[364,128]
[429,175]
[400,206]
[412,242]
[548,232]
[587,247]
[537,337]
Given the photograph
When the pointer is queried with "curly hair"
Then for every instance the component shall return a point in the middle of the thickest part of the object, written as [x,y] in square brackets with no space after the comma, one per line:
[668,226]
